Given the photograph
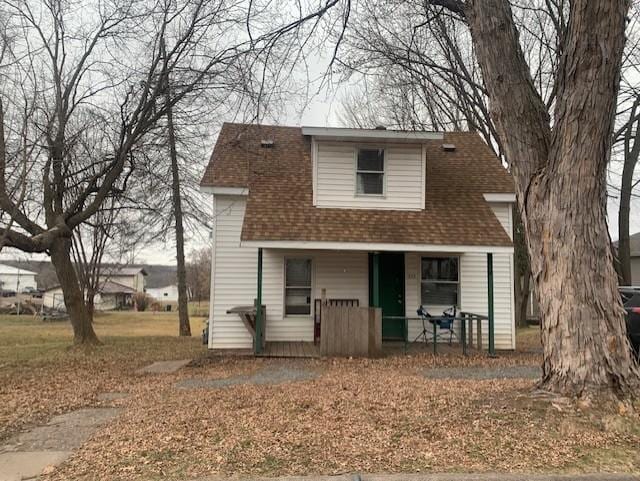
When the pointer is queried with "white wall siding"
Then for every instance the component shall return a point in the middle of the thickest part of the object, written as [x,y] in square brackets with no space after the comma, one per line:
[472,294]
[17,282]
[412,292]
[473,286]
[336,178]
[344,275]
[503,212]
[234,275]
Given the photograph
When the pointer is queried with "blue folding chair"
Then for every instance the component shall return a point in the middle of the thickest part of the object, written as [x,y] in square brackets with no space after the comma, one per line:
[445,323]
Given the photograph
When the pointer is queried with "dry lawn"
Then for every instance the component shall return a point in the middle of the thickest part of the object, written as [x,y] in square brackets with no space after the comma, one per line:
[41,375]
[356,415]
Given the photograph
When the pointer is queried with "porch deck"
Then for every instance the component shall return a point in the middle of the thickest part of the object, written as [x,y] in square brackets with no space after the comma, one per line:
[301,349]
[290,349]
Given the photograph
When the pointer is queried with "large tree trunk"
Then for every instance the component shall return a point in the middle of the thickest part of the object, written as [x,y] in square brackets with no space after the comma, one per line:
[560,184]
[631,154]
[81,318]
[183,299]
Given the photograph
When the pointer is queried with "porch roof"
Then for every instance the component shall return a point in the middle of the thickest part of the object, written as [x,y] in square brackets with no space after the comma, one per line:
[377,247]
[280,200]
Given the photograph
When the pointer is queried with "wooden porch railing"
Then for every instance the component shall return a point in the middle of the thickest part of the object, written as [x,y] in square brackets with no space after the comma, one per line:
[317,312]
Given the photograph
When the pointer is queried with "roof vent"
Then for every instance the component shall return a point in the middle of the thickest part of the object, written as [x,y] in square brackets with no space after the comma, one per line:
[449,147]
[267,143]
[380,127]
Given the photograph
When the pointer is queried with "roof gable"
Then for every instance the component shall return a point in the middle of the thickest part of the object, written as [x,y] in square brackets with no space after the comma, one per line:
[280,205]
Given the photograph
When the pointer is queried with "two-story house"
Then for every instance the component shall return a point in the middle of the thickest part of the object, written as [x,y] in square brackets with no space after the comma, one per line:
[402,218]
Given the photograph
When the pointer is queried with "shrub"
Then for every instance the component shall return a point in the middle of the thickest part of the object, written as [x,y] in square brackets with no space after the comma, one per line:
[141,301]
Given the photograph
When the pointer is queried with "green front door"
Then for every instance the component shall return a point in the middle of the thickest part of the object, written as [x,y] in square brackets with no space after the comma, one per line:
[391,293]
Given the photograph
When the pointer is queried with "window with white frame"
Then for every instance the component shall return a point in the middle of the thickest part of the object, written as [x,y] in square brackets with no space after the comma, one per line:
[370,172]
[297,290]
[440,281]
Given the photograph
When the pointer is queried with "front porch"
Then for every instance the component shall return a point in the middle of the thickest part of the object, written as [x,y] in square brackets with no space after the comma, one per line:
[395,282]
[295,349]
[309,350]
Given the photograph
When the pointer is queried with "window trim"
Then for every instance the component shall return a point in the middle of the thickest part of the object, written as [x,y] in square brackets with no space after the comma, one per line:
[357,150]
[437,281]
[285,287]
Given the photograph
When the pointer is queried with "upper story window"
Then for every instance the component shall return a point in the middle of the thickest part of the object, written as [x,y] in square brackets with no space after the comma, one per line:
[370,172]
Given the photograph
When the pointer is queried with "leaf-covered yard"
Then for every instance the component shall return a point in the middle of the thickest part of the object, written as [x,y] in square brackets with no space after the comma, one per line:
[380,415]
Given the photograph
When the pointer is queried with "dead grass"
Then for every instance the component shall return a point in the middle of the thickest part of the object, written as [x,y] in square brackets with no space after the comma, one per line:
[41,374]
[357,415]
[366,416]
[528,339]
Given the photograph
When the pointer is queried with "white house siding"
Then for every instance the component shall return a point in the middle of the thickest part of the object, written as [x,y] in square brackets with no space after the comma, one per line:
[473,286]
[336,177]
[503,211]
[17,282]
[135,282]
[53,298]
[164,294]
[472,294]
[344,275]
[234,275]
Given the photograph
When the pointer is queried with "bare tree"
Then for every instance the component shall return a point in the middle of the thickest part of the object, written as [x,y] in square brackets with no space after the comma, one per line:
[559,167]
[199,273]
[630,134]
[626,148]
[184,328]
[427,78]
[108,65]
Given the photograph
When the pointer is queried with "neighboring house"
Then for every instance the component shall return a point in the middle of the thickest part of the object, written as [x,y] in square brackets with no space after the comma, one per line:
[166,298]
[53,298]
[164,294]
[14,279]
[132,277]
[331,209]
[112,296]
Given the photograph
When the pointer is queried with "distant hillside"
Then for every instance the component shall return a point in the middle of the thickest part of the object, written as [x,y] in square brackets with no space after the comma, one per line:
[158,275]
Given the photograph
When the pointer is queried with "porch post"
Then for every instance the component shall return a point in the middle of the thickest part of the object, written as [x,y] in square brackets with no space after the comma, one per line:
[257,342]
[375,289]
[492,347]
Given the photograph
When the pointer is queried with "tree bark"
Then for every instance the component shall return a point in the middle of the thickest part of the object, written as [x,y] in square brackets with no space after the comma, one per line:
[561,188]
[81,319]
[183,299]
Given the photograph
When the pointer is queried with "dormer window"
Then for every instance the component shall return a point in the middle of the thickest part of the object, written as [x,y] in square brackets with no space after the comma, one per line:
[370,172]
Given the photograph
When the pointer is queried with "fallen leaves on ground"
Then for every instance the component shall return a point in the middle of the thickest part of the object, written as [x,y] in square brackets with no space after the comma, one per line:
[357,415]
[378,415]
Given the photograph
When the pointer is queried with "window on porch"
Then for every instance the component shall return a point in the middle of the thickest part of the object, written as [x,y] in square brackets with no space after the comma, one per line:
[297,300]
[439,281]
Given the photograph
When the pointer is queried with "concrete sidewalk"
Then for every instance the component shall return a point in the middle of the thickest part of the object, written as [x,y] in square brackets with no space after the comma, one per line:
[442,477]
